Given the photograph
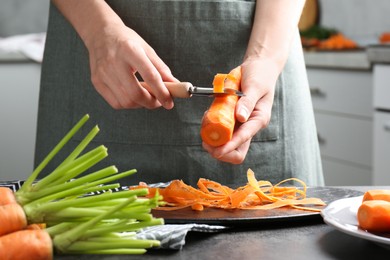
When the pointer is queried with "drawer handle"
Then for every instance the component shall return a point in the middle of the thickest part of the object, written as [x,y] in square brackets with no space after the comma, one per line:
[315,91]
[386,126]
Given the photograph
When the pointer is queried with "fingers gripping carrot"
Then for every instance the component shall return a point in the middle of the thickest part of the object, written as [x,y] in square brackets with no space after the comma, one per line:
[26,244]
[6,196]
[219,120]
[12,218]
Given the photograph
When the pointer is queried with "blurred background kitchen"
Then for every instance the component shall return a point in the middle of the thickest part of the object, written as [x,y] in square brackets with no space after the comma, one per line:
[347,53]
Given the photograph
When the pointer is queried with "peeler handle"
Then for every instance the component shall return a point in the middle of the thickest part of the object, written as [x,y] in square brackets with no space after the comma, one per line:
[177,89]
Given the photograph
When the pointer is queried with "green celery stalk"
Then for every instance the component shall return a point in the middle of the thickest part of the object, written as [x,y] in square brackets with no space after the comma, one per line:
[37,211]
[121,227]
[82,145]
[98,175]
[73,168]
[27,184]
[64,240]
[112,243]
[120,251]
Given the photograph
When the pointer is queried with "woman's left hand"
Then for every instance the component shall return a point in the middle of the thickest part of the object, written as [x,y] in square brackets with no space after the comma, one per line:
[253,111]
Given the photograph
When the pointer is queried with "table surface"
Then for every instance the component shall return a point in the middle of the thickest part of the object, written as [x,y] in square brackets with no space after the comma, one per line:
[301,239]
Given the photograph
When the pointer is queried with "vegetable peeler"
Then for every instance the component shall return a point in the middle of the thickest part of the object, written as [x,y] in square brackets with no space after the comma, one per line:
[186,90]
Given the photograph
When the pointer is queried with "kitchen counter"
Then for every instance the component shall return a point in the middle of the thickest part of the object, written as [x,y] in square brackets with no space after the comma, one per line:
[304,239]
[379,53]
[354,59]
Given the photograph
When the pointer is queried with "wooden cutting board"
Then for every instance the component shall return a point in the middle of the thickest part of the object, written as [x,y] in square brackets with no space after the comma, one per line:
[310,15]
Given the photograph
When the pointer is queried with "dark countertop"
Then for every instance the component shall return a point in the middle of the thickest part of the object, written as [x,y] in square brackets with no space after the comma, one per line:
[300,239]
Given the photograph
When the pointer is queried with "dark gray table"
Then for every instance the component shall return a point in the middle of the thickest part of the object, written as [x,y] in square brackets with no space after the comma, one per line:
[301,239]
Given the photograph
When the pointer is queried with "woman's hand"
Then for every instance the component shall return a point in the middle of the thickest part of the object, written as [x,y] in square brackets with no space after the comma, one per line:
[253,111]
[116,55]
[274,26]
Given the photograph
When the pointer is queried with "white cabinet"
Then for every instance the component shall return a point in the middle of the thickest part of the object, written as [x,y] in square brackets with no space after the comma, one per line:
[342,101]
[381,151]
[19,91]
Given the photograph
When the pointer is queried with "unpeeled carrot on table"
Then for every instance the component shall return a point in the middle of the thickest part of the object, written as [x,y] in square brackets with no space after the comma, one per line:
[26,244]
[219,120]
[12,218]
[374,216]
[377,195]
[61,204]
[7,196]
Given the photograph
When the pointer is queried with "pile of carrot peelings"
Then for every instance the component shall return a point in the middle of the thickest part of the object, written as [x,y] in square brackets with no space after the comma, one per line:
[255,195]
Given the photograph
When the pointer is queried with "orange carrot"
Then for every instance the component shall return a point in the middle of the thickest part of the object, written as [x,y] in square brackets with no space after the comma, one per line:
[36,226]
[384,38]
[26,244]
[7,196]
[374,216]
[377,195]
[219,120]
[12,218]
[219,83]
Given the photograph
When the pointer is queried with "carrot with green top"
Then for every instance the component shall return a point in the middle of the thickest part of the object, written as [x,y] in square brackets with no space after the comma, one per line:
[219,120]
[7,196]
[26,244]
[12,218]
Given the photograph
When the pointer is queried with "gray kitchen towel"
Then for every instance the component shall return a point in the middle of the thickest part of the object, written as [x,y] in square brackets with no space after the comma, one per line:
[173,236]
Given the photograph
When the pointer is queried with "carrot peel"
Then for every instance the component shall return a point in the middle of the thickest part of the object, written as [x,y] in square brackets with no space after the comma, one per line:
[255,195]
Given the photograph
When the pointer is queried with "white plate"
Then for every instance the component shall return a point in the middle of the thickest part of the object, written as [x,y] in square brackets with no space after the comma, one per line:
[341,214]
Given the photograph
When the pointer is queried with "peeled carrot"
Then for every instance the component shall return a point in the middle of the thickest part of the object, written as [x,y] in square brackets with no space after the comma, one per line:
[7,196]
[26,244]
[377,195]
[219,120]
[374,216]
[12,218]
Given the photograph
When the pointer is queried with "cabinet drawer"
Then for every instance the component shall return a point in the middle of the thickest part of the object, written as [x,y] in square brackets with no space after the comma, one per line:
[344,138]
[381,153]
[382,86]
[338,174]
[341,91]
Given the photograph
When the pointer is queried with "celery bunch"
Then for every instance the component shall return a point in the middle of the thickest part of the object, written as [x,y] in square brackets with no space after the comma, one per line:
[81,223]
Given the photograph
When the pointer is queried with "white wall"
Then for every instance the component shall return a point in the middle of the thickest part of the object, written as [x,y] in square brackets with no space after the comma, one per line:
[23,16]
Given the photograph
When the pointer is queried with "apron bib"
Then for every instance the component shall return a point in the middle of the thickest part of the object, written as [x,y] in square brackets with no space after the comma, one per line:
[196,39]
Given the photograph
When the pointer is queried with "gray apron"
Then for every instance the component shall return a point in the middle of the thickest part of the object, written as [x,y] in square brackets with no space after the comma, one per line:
[196,39]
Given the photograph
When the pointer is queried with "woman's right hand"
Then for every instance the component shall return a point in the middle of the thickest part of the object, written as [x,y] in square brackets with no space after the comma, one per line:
[116,54]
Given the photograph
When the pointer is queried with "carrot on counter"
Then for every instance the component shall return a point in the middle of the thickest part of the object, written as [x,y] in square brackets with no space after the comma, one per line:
[12,218]
[7,196]
[374,216]
[337,41]
[377,195]
[255,195]
[26,244]
[219,120]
